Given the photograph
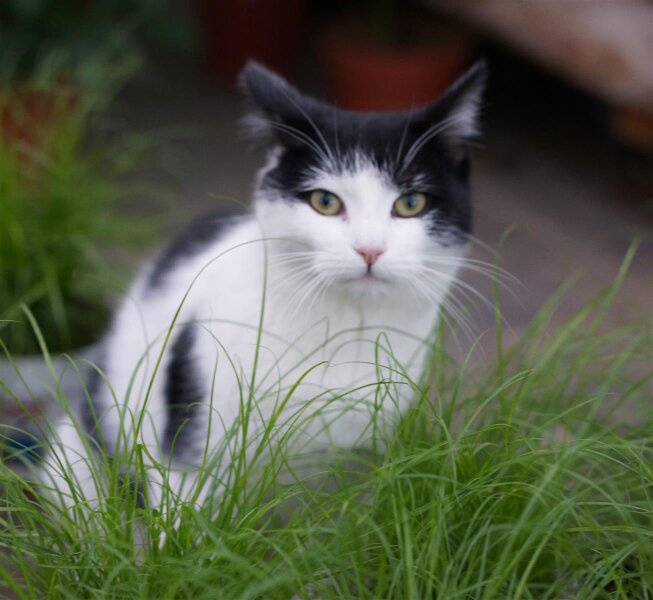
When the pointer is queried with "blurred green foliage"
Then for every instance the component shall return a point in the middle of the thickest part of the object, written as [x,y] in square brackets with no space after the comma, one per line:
[93,43]
[58,197]
[61,64]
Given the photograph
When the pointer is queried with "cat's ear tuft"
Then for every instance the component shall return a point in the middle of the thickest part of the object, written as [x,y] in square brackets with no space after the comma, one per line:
[272,103]
[266,90]
[457,111]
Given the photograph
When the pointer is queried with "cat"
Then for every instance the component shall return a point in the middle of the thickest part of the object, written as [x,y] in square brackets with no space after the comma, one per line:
[308,315]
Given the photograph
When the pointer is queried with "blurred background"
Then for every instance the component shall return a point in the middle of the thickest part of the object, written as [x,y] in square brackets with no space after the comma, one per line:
[119,122]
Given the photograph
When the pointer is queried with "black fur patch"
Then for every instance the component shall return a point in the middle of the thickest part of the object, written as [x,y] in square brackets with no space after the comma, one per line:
[183,391]
[90,410]
[199,234]
[136,488]
[90,413]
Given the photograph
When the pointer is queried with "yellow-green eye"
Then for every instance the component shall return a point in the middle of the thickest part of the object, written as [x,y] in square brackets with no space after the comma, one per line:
[325,202]
[410,205]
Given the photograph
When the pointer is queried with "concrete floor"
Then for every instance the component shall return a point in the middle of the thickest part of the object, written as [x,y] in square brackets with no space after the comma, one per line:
[572,201]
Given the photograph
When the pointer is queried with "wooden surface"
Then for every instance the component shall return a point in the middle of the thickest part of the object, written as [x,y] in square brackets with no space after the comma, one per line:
[603,46]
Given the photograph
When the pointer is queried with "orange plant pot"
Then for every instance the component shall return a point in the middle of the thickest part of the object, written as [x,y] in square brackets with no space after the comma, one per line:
[369,76]
[28,116]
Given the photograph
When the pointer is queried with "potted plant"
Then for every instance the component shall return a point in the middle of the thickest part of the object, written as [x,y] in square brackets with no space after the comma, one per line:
[61,63]
[58,219]
[61,177]
[55,54]
[392,57]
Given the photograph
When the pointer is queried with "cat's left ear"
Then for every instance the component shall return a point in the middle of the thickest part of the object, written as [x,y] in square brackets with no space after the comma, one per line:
[456,112]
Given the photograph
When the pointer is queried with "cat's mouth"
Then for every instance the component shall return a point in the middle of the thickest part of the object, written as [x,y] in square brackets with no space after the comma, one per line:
[369,277]
[368,284]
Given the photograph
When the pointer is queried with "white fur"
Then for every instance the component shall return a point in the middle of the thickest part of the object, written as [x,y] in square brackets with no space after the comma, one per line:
[321,308]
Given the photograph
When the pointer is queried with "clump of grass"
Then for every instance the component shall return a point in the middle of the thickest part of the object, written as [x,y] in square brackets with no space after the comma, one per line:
[517,481]
[56,199]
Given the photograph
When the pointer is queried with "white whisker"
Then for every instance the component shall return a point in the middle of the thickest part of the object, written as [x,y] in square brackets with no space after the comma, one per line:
[428,135]
[315,128]
[300,136]
[403,137]
[468,263]
[465,287]
[446,303]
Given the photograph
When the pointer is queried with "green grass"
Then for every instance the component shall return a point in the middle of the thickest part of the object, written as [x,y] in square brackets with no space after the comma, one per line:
[58,195]
[532,479]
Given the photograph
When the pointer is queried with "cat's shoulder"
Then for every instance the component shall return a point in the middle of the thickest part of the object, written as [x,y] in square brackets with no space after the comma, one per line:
[200,234]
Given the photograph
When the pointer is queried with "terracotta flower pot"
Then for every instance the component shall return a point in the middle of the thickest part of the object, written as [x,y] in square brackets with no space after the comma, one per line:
[367,75]
[29,115]
[266,30]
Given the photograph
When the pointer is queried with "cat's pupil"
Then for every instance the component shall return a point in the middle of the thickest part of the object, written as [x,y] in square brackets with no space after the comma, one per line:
[325,200]
[410,202]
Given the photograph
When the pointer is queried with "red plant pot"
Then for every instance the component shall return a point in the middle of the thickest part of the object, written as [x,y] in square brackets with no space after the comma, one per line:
[365,75]
[266,30]
[28,116]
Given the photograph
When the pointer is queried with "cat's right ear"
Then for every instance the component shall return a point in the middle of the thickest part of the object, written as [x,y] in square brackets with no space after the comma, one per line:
[456,113]
[276,111]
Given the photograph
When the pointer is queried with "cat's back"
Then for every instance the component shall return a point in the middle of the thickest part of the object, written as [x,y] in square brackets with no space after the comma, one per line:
[201,242]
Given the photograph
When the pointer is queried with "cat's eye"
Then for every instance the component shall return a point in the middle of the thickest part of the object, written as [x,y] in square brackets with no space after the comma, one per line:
[325,202]
[410,205]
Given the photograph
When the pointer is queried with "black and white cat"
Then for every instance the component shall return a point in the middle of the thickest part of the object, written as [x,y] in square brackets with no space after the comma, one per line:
[295,310]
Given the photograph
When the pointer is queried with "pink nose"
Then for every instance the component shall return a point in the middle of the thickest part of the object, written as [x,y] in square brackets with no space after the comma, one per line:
[370,255]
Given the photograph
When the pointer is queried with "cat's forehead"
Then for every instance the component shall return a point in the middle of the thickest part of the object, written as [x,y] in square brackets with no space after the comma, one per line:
[354,132]
[358,178]
[373,146]
[356,158]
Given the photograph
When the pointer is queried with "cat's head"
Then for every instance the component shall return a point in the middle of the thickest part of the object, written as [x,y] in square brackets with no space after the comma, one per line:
[369,202]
